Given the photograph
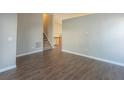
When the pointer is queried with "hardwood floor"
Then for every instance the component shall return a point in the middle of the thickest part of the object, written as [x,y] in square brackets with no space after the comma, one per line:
[57,65]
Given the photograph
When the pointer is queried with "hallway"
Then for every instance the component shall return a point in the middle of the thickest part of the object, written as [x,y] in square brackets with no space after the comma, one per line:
[52,63]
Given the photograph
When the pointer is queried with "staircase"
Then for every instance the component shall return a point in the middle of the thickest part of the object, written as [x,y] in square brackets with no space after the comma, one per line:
[46,43]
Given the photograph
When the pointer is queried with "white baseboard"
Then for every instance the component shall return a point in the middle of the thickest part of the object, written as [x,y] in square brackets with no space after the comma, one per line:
[24,54]
[7,68]
[96,58]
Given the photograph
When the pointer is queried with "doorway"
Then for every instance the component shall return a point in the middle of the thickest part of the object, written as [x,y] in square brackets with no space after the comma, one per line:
[57,29]
[52,30]
[46,32]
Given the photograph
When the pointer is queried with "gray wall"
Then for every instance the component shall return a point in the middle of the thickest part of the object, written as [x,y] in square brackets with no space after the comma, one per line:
[29,34]
[8,29]
[97,35]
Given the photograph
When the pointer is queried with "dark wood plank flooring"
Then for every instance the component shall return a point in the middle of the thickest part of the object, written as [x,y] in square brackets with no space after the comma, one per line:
[57,65]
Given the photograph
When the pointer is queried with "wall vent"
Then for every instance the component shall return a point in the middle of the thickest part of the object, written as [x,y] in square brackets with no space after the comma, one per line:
[38,44]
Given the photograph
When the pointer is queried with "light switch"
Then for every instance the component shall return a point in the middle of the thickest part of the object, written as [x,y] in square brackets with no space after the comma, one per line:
[10,38]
